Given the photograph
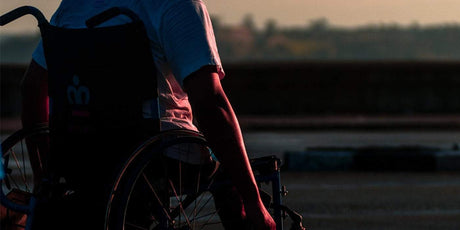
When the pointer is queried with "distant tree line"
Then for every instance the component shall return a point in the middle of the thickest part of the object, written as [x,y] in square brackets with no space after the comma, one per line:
[318,40]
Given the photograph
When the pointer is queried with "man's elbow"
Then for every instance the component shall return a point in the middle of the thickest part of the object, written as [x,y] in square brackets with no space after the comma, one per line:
[204,89]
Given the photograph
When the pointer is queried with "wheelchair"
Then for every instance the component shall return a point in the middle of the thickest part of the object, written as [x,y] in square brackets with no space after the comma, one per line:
[88,115]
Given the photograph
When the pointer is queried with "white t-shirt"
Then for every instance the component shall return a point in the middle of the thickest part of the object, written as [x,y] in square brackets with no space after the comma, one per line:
[182,41]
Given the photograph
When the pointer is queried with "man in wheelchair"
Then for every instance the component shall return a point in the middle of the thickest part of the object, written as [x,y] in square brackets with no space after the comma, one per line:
[188,75]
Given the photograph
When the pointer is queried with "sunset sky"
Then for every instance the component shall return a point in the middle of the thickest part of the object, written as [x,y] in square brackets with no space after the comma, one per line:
[299,12]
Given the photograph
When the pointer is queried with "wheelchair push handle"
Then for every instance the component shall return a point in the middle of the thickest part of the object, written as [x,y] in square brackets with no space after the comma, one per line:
[109,14]
[21,11]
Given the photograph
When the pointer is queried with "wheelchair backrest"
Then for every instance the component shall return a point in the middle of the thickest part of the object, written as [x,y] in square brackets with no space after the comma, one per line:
[99,78]
[100,82]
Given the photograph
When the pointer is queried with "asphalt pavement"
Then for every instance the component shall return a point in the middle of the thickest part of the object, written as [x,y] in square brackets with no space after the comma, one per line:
[368,201]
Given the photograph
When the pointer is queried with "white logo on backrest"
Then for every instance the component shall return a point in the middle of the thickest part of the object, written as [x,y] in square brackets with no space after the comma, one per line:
[76,93]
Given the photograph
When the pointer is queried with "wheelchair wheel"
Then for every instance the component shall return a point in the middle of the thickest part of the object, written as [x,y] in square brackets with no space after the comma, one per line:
[154,191]
[17,187]
[16,158]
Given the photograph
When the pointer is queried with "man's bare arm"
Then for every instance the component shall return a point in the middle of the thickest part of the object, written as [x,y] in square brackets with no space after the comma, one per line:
[217,121]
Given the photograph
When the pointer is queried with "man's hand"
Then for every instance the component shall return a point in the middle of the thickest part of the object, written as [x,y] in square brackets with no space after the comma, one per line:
[260,217]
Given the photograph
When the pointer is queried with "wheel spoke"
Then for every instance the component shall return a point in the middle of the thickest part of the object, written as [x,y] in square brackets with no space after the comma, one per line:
[136,226]
[11,178]
[6,160]
[180,192]
[180,203]
[202,197]
[196,192]
[166,212]
[205,203]
[20,171]
[23,163]
[208,222]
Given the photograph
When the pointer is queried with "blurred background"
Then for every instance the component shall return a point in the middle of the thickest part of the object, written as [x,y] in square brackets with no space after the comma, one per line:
[359,98]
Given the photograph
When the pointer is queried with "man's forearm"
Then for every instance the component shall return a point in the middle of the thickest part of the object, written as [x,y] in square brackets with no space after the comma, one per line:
[220,126]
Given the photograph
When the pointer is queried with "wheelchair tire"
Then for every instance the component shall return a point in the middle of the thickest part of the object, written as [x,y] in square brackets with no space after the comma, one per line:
[15,159]
[17,187]
[149,193]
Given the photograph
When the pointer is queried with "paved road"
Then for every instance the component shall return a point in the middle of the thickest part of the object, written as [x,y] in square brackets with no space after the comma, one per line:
[367,201]
[333,201]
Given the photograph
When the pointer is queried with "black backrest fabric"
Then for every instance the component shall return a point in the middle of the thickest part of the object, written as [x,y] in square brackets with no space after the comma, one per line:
[99,79]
